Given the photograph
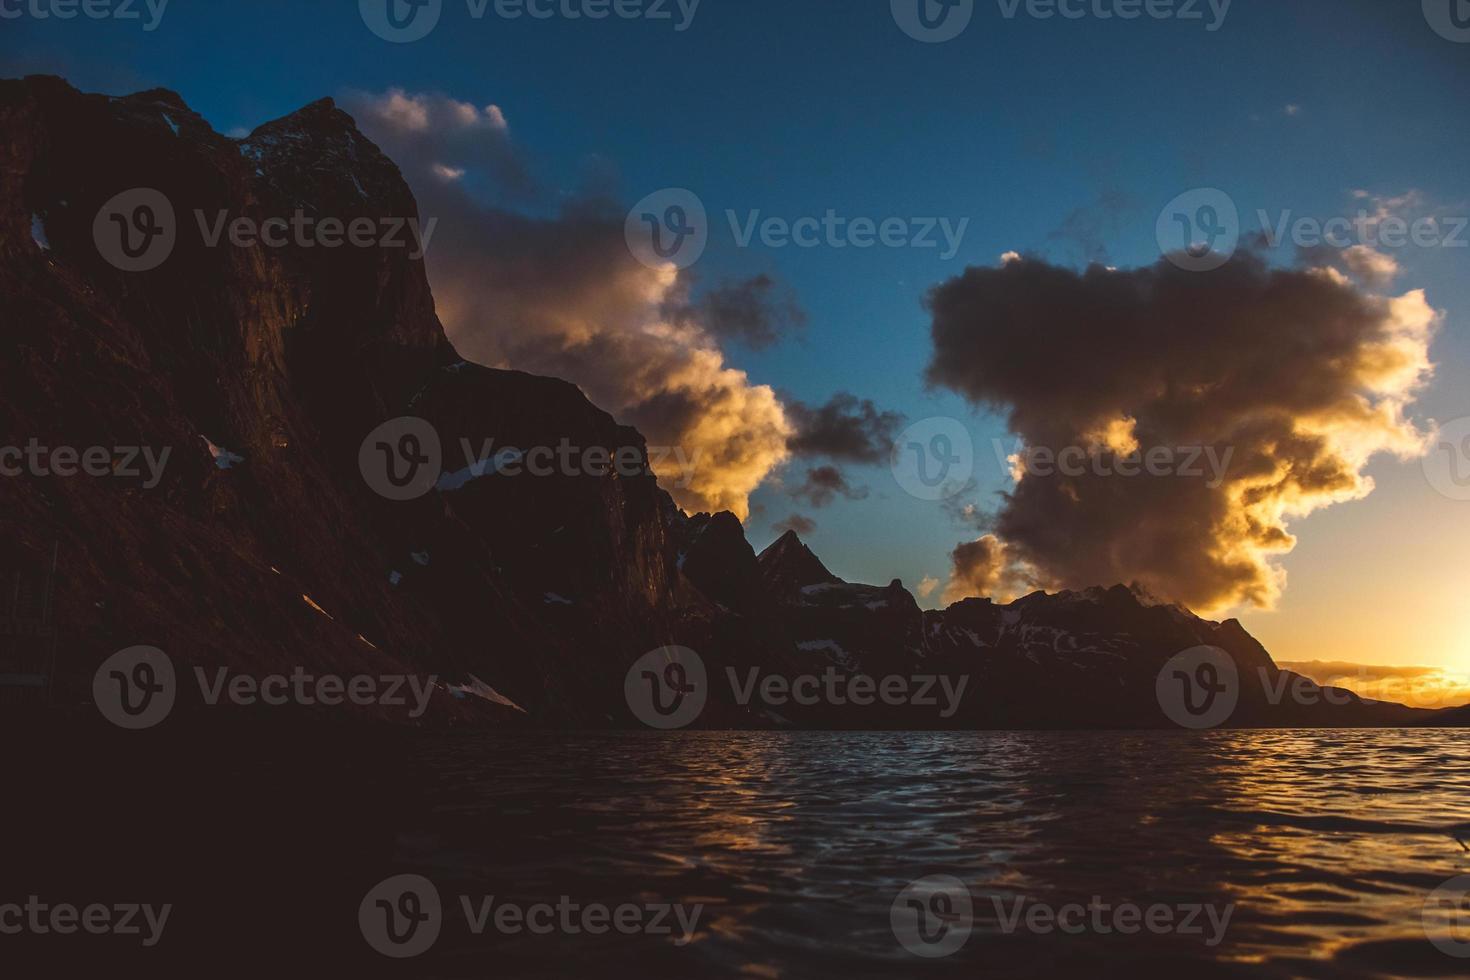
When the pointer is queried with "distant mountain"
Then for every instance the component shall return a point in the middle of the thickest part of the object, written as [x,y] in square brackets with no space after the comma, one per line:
[788,566]
[262,546]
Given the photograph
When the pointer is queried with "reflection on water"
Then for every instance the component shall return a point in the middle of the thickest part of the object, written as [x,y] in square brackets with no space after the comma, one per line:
[1326,843]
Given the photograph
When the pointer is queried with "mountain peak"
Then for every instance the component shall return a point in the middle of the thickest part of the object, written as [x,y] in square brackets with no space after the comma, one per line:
[788,566]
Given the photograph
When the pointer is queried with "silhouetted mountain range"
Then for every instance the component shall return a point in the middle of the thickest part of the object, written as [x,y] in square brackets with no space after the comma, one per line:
[263,547]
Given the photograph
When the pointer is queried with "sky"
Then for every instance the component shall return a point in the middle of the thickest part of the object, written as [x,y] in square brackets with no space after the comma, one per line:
[1060,140]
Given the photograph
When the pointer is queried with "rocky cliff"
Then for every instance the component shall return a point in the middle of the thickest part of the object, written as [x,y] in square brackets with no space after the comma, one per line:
[267,377]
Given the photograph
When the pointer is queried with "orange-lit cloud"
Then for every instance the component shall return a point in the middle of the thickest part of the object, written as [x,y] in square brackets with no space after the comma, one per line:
[1299,375]
[564,296]
[1418,687]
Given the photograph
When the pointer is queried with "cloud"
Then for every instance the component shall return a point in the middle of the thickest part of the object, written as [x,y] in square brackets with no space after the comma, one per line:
[926,586]
[845,428]
[428,133]
[824,484]
[803,526]
[1370,267]
[561,295]
[1301,376]
[986,568]
[1419,687]
[1361,263]
[754,312]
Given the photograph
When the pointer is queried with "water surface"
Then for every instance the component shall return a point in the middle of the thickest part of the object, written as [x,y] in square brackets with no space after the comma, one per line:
[1325,845]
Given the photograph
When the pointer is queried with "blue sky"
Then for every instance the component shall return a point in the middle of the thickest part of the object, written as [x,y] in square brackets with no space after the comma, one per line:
[1026,127]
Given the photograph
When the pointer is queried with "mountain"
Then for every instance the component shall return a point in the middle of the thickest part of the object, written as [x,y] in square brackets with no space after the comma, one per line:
[788,566]
[270,382]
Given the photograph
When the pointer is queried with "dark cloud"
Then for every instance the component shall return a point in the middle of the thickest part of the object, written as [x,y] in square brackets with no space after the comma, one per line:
[1301,375]
[755,312]
[803,526]
[985,568]
[562,295]
[846,428]
[824,484]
